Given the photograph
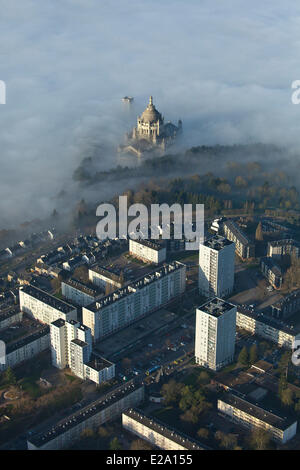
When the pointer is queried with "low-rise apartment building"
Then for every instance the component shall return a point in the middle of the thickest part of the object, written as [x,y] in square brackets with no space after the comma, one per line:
[156,433]
[9,316]
[267,327]
[137,299]
[45,307]
[27,347]
[253,415]
[272,272]
[244,247]
[79,293]
[287,306]
[64,433]
[102,276]
[148,251]
[287,246]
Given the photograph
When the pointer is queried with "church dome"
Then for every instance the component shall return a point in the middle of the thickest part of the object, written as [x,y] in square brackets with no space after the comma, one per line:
[151,114]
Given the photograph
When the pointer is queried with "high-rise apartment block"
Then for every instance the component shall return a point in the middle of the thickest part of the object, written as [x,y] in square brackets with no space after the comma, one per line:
[71,346]
[215,334]
[216,267]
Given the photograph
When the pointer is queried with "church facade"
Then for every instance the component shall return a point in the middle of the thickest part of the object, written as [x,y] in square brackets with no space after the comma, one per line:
[151,134]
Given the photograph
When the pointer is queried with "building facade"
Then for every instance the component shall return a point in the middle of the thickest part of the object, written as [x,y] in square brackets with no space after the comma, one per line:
[71,346]
[287,246]
[137,299]
[267,327]
[215,334]
[78,293]
[156,433]
[216,267]
[44,307]
[147,251]
[64,433]
[272,272]
[244,247]
[254,416]
[26,348]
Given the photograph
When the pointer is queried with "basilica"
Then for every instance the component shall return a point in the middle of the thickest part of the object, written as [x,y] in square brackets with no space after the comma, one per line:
[151,134]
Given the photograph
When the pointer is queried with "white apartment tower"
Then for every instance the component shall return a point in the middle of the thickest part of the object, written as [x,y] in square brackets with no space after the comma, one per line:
[216,267]
[215,334]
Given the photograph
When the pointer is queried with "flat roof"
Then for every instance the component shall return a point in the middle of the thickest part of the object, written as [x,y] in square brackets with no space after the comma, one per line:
[76,284]
[99,363]
[79,342]
[273,418]
[287,299]
[217,242]
[216,307]
[166,431]
[9,312]
[240,235]
[273,322]
[93,408]
[149,244]
[48,299]
[270,263]
[59,323]
[19,343]
[110,273]
[131,288]
[284,241]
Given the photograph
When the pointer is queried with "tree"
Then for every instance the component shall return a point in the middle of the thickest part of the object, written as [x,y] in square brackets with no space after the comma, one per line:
[253,354]
[287,397]
[115,444]
[140,444]
[260,439]
[87,433]
[240,182]
[203,433]
[203,378]
[171,392]
[243,356]
[228,441]
[259,233]
[10,377]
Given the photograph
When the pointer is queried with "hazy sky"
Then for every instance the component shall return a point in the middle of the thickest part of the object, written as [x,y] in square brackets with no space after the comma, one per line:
[224,67]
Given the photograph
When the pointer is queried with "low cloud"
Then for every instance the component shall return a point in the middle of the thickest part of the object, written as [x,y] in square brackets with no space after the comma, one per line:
[224,68]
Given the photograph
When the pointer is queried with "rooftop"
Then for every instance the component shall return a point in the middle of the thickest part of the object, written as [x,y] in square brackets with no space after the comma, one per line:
[274,418]
[283,242]
[271,321]
[135,285]
[47,298]
[216,307]
[14,345]
[150,244]
[9,312]
[168,432]
[287,299]
[72,420]
[270,263]
[99,363]
[217,242]
[110,273]
[235,229]
[76,284]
